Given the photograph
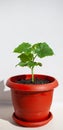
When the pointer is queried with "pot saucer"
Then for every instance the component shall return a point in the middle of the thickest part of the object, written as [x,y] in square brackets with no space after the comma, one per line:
[32,124]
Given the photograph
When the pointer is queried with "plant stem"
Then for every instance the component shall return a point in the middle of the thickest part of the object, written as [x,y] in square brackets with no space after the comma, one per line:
[35,56]
[32,74]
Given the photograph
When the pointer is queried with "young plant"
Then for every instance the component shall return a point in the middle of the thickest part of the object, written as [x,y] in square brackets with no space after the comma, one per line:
[28,53]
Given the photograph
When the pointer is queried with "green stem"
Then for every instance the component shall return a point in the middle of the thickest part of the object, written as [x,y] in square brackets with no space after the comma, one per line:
[32,68]
[32,74]
[35,57]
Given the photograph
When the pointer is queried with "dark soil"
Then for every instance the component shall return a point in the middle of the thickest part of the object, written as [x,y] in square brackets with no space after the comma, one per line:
[36,81]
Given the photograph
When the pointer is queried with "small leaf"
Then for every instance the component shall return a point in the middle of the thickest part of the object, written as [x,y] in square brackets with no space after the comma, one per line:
[23,47]
[24,58]
[33,64]
[22,64]
[38,63]
[42,49]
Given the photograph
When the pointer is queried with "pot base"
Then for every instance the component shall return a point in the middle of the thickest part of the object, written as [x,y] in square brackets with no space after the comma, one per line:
[32,124]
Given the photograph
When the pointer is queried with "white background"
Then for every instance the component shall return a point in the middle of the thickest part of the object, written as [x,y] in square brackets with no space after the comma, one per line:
[31,21]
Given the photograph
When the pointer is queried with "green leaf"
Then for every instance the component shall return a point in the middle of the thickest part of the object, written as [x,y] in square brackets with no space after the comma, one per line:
[33,64]
[38,63]
[24,58]
[22,64]
[23,47]
[42,49]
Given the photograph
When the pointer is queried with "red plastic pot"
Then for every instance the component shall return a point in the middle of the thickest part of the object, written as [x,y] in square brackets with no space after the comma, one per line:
[32,102]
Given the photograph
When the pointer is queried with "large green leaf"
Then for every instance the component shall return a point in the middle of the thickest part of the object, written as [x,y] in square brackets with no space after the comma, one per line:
[24,58]
[42,49]
[23,47]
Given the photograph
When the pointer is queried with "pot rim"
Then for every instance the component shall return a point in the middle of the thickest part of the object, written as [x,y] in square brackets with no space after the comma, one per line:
[32,87]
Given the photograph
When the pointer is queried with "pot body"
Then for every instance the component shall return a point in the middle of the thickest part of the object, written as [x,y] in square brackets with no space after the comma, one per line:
[32,102]
[32,106]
